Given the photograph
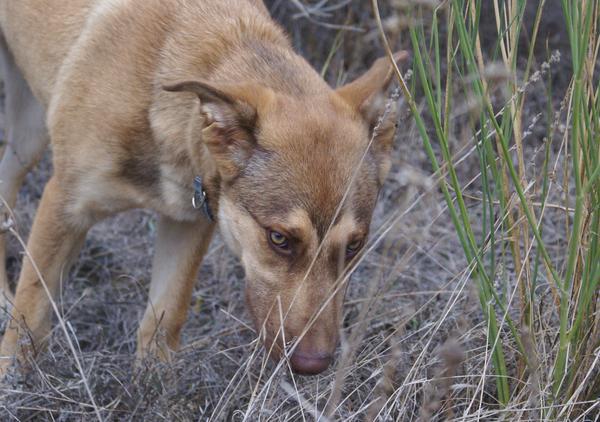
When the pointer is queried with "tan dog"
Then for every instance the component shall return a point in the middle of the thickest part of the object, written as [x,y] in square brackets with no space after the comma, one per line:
[139,97]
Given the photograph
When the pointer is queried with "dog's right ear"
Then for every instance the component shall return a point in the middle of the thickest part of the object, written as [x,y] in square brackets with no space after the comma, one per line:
[230,113]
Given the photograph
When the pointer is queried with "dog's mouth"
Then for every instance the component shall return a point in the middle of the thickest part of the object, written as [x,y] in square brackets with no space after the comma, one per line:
[304,360]
[310,363]
[306,350]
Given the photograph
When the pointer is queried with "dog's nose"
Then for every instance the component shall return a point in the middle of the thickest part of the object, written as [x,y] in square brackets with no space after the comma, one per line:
[304,363]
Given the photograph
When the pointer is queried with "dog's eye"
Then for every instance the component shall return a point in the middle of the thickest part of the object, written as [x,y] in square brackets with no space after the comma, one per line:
[353,247]
[278,240]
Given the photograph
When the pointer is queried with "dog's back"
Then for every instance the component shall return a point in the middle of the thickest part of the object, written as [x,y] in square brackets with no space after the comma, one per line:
[59,26]
[53,28]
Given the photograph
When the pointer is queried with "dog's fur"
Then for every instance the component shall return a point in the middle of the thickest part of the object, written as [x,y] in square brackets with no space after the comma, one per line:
[140,96]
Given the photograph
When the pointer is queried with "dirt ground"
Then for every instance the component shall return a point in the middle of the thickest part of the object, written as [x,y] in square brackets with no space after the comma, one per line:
[412,312]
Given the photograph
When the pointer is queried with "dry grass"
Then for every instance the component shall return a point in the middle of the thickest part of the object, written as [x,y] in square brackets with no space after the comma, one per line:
[414,341]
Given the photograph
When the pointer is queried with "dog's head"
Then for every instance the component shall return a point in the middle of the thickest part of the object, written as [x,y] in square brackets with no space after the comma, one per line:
[299,180]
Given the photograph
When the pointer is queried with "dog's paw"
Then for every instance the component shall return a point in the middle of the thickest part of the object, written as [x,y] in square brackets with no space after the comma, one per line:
[154,352]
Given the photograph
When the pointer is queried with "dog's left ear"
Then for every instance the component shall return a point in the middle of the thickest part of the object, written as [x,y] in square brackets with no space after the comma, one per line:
[367,95]
[230,114]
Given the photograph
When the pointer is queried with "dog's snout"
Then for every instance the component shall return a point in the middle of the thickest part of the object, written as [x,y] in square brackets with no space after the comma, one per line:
[304,363]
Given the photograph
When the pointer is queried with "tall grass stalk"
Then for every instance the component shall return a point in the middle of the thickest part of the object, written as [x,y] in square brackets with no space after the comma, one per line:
[513,196]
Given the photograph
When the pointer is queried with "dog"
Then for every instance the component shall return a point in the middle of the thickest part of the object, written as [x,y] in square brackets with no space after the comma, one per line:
[201,111]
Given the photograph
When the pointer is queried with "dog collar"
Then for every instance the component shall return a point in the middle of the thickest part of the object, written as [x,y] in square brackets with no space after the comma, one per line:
[200,200]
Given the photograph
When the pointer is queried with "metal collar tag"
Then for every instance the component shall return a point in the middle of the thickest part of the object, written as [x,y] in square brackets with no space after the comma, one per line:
[200,200]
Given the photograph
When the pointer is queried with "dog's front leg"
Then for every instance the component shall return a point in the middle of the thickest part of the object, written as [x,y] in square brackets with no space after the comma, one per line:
[54,240]
[180,247]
